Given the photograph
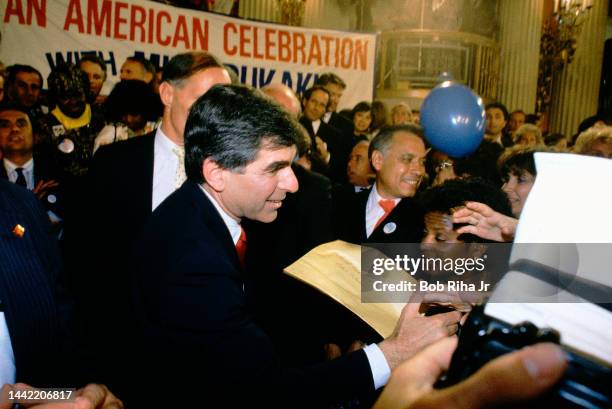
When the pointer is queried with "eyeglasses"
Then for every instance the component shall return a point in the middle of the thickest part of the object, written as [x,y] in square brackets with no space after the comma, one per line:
[443,165]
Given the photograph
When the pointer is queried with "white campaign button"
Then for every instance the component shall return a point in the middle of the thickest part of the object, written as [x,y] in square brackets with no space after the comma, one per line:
[51,199]
[66,145]
[389,228]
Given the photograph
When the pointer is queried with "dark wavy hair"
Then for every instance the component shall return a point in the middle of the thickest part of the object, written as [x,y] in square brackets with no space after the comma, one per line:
[230,124]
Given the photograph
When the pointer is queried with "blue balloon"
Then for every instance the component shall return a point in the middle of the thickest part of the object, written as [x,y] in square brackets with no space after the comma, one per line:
[453,118]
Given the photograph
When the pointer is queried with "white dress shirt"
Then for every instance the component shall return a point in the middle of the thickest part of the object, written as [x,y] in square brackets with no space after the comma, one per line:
[378,363]
[315,126]
[373,210]
[28,171]
[165,164]
[327,117]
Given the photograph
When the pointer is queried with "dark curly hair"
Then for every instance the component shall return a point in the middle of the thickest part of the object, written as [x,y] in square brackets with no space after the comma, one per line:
[67,79]
[454,193]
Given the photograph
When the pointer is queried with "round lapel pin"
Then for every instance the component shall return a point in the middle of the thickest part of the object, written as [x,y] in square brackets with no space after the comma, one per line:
[389,228]
[66,145]
[51,199]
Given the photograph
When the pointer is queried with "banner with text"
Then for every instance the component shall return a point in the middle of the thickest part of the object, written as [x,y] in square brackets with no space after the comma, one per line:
[42,33]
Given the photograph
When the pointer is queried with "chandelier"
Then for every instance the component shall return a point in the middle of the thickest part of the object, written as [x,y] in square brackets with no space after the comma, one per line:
[558,44]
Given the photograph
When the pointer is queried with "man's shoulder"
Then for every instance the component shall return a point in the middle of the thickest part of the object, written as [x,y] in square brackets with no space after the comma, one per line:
[129,148]
[309,178]
[15,200]
[182,209]
[327,128]
[336,118]
[21,195]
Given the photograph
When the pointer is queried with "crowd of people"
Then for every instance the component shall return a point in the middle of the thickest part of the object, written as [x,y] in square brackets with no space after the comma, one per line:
[147,262]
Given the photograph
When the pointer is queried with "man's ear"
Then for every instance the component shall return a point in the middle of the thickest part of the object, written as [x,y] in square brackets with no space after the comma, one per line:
[213,174]
[377,160]
[166,93]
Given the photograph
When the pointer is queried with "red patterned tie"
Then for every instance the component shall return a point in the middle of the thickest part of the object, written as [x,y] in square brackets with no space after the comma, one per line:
[387,205]
[241,246]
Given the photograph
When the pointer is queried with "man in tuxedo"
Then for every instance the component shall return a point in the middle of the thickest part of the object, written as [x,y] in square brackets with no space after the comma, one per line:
[126,182]
[387,212]
[331,147]
[21,165]
[193,296]
[335,86]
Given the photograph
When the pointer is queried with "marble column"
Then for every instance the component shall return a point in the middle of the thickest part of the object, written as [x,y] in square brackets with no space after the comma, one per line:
[519,37]
[576,89]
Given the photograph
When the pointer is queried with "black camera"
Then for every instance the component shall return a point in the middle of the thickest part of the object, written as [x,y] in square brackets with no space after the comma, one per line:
[585,384]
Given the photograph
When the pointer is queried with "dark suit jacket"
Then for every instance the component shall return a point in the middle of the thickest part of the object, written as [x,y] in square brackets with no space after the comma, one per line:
[34,310]
[350,220]
[197,332]
[99,243]
[117,205]
[338,145]
[304,221]
[45,169]
[343,125]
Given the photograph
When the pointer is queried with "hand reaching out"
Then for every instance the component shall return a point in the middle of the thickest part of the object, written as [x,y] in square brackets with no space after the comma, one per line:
[42,186]
[485,222]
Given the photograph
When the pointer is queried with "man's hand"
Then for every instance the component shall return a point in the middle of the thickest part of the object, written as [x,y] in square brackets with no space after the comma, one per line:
[92,396]
[414,332]
[485,222]
[42,186]
[515,377]
[322,149]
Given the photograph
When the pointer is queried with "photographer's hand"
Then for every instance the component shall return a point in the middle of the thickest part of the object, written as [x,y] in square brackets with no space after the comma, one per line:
[515,377]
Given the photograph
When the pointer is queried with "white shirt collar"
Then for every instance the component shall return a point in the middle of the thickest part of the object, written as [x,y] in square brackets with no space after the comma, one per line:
[10,166]
[28,171]
[232,225]
[163,143]
[165,163]
[327,117]
[373,210]
[315,126]
[374,197]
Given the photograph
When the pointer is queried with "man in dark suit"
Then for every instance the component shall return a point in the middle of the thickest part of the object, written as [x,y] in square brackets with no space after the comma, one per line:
[192,294]
[29,270]
[32,170]
[36,347]
[332,147]
[335,86]
[127,181]
[387,212]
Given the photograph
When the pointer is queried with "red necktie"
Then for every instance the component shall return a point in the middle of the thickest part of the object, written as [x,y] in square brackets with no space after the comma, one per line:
[387,205]
[241,246]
